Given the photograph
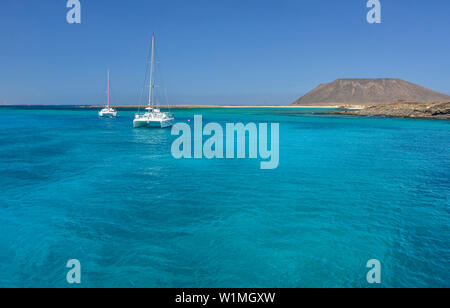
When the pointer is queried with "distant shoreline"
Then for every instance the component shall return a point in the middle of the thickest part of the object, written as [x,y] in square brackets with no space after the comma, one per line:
[190,106]
[216,106]
[395,109]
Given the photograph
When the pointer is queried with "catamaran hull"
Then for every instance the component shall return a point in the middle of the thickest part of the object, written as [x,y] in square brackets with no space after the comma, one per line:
[143,123]
[107,115]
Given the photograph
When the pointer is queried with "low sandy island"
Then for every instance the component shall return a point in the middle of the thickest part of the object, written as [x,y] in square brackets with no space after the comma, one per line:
[224,106]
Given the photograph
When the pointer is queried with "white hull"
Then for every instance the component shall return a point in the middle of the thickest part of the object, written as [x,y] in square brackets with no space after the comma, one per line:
[107,114]
[152,123]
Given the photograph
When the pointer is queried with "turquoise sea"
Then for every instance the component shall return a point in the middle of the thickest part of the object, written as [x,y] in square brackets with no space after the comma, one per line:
[347,190]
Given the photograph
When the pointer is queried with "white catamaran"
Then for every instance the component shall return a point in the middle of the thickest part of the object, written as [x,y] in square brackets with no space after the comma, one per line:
[108,111]
[153,117]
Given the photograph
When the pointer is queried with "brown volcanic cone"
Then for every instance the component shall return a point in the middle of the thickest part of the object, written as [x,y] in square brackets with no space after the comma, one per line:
[369,92]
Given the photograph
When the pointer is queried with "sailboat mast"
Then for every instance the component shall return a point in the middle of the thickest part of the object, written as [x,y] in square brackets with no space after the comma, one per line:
[109,95]
[151,71]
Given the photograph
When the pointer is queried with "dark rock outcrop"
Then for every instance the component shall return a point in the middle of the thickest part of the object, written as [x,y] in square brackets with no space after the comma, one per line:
[404,110]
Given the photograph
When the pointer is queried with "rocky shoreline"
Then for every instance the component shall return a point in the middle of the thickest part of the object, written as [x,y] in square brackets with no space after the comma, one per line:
[414,110]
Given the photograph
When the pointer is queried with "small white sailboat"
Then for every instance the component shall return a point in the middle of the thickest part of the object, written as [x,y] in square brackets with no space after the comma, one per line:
[153,117]
[108,111]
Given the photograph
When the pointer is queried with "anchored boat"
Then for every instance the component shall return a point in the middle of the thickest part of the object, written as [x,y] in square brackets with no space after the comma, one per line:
[153,117]
[108,111]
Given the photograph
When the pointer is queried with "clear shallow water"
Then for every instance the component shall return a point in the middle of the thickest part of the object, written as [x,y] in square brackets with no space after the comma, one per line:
[347,190]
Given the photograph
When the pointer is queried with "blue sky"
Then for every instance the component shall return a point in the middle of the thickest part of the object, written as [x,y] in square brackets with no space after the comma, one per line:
[216,51]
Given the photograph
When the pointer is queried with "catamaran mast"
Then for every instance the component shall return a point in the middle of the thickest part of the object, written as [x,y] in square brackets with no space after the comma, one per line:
[109,96]
[151,71]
